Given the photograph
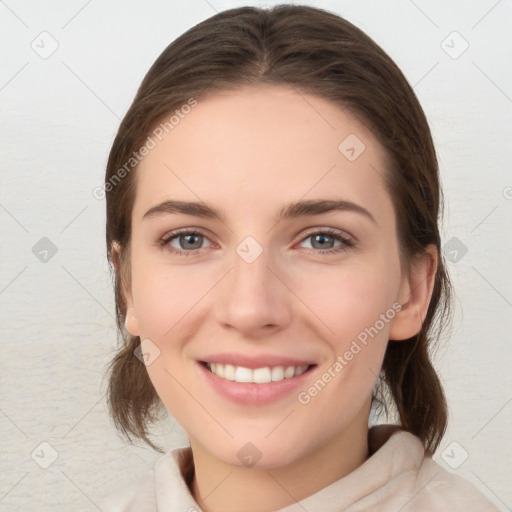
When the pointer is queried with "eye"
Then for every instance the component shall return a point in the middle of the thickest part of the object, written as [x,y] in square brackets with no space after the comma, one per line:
[184,242]
[328,241]
[187,242]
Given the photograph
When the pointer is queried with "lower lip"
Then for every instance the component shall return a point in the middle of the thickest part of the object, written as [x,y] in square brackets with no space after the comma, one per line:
[250,393]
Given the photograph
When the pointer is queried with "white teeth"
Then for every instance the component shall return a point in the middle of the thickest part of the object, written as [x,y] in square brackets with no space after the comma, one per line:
[243,374]
[289,372]
[229,372]
[219,370]
[258,375]
[277,373]
[262,375]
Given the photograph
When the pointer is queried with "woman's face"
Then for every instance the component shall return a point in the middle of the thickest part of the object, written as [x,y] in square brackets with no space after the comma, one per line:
[293,266]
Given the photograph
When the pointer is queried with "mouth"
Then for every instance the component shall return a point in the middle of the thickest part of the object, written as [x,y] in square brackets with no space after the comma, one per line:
[266,382]
[261,375]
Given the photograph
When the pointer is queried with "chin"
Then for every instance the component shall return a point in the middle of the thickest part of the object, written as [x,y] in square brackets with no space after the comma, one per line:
[256,452]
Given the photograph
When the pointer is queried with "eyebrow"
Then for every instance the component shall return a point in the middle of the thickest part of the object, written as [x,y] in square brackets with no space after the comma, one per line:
[303,208]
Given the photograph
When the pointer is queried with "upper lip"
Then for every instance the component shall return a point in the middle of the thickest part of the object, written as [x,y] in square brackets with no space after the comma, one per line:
[260,361]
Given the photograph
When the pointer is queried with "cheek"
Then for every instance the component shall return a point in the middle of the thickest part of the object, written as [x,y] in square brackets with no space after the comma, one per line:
[170,384]
[358,312]
[169,306]
[163,296]
[356,305]
[351,300]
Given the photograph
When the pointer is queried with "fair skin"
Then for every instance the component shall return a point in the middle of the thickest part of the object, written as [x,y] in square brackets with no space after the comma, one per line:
[248,154]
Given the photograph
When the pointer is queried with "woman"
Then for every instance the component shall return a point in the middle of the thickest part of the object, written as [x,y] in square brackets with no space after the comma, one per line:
[272,208]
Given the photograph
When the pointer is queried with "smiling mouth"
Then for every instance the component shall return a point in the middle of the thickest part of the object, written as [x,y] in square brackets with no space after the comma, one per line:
[261,375]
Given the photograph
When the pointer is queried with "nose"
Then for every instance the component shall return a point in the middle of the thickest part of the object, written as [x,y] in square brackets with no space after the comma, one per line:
[253,298]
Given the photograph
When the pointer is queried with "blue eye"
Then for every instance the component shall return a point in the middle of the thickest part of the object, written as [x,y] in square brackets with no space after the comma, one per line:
[187,242]
[184,242]
[324,241]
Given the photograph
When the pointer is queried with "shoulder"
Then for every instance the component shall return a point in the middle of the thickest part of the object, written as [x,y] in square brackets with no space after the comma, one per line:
[447,491]
[432,487]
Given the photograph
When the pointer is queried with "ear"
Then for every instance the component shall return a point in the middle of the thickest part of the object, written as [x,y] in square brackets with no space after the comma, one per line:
[415,294]
[124,276]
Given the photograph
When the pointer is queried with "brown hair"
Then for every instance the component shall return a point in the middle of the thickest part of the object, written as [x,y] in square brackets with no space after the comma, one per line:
[317,52]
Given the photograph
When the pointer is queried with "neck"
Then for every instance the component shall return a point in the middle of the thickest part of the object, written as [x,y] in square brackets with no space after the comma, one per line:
[222,487]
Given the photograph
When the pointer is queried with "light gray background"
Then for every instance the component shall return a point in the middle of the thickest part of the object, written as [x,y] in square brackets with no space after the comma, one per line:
[59,117]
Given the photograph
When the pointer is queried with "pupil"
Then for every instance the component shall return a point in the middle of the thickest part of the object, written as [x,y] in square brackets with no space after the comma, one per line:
[189,240]
[322,239]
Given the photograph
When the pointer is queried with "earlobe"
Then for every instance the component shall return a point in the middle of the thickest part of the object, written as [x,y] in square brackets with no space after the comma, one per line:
[415,294]
[131,321]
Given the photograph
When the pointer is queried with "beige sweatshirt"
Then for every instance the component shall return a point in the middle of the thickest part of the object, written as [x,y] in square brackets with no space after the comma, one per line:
[397,477]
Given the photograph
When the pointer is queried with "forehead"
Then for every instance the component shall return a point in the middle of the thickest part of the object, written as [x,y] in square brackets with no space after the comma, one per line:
[264,146]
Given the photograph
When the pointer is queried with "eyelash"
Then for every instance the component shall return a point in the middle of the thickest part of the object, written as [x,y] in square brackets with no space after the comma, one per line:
[346,243]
